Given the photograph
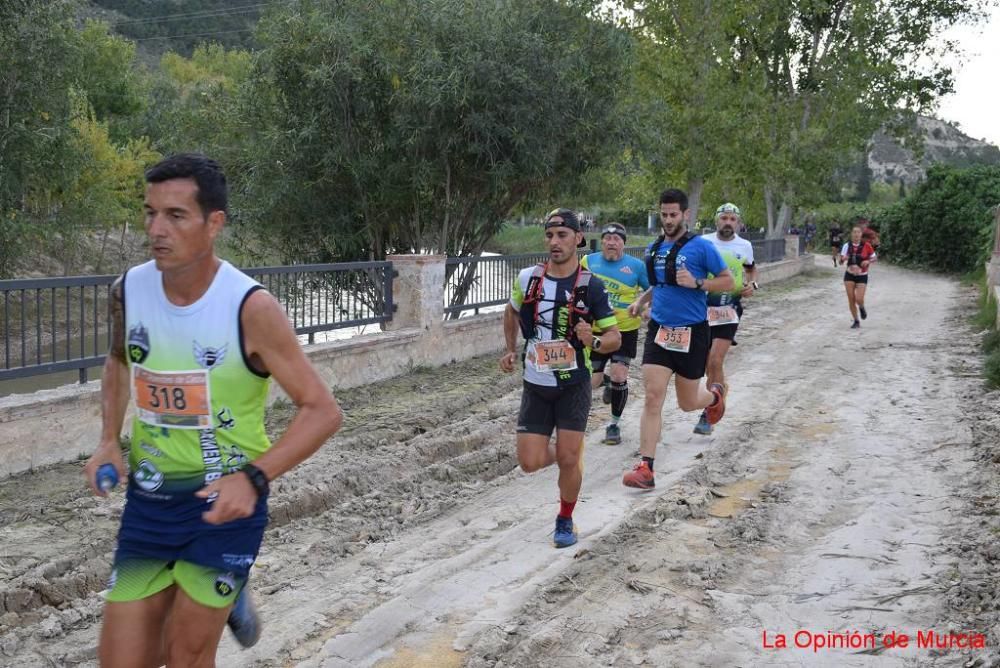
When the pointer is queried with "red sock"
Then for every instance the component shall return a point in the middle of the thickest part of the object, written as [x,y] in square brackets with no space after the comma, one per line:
[566,508]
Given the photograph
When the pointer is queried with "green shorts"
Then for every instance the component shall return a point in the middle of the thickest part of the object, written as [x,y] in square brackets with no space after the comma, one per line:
[136,579]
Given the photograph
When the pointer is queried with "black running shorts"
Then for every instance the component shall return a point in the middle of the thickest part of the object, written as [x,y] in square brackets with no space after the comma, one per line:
[546,408]
[727,332]
[624,355]
[861,278]
[689,365]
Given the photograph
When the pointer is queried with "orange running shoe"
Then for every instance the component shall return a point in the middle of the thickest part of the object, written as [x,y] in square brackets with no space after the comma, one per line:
[640,477]
[715,412]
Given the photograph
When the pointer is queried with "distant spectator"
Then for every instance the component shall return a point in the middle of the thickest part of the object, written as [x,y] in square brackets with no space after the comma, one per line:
[810,232]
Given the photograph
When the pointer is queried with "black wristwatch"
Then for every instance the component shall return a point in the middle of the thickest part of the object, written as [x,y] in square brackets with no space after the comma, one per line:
[257,479]
[698,282]
[596,344]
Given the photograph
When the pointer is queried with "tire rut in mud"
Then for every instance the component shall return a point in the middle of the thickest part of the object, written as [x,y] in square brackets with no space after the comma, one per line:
[408,448]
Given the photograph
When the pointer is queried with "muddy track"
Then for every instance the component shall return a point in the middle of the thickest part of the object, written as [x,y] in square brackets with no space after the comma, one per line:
[402,442]
[852,485]
[821,513]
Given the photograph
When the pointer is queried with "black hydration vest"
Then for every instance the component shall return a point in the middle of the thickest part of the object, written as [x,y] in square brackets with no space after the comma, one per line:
[671,265]
[855,258]
[579,307]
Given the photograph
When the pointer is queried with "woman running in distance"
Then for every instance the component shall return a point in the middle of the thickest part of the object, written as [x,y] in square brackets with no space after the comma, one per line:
[858,255]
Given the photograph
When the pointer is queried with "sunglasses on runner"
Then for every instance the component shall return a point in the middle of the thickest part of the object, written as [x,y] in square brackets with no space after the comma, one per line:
[614,228]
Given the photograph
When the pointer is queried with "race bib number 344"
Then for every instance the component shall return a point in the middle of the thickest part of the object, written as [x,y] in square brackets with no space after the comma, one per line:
[175,399]
[557,355]
[722,315]
[676,339]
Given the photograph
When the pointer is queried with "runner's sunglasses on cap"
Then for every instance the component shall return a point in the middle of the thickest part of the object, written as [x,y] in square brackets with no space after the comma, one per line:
[614,228]
[567,219]
[728,207]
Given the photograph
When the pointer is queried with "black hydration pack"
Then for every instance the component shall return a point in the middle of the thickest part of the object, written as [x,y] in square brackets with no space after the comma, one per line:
[855,257]
[579,307]
[671,264]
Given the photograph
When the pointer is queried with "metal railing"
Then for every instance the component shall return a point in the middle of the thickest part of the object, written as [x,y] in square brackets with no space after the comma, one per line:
[475,283]
[768,250]
[324,297]
[61,324]
[54,324]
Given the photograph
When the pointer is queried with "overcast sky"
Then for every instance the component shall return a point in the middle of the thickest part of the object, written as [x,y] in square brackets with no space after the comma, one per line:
[975,104]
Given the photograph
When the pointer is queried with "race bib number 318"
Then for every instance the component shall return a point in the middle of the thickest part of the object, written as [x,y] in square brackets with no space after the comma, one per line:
[175,399]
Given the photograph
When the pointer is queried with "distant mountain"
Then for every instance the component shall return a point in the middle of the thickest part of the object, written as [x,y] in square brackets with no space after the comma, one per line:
[890,162]
[159,26]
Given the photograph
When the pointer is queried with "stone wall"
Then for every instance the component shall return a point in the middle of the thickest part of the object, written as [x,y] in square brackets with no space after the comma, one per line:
[64,424]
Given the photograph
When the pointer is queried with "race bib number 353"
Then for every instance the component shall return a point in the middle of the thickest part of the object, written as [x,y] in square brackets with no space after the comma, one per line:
[175,399]
[677,339]
[557,355]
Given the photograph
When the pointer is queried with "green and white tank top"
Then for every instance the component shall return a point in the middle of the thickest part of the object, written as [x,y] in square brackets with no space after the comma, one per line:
[199,406]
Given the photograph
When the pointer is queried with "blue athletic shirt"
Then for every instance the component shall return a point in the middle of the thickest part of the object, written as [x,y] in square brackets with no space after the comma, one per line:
[674,306]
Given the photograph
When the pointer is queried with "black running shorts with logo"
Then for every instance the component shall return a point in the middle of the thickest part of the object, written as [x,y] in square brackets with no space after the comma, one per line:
[624,354]
[690,365]
[546,408]
[860,278]
[727,332]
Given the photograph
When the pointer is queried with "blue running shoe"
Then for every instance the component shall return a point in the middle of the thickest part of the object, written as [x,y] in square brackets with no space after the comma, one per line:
[243,620]
[703,427]
[565,534]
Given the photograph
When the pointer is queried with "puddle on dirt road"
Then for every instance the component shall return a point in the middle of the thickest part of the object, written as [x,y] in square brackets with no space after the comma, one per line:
[438,652]
[736,496]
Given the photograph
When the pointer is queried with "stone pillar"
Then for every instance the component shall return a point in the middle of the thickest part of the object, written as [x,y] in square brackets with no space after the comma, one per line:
[993,268]
[417,292]
[791,246]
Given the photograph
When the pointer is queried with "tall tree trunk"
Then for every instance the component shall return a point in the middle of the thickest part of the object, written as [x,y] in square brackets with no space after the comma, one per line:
[784,217]
[443,243]
[772,219]
[104,244]
[696,186]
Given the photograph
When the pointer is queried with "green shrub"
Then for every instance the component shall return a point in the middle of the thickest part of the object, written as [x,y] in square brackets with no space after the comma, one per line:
[947,223]
[992,370]
[991,342]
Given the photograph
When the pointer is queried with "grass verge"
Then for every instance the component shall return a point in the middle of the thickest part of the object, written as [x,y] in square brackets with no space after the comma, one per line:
[986,318]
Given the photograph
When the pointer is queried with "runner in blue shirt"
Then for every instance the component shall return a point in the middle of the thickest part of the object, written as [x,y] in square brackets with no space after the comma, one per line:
[678,338]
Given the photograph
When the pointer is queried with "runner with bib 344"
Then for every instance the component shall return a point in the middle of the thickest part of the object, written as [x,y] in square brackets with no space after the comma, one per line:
[555,305]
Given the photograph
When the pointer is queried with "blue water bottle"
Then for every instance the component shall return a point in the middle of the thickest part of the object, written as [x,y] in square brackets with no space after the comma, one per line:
[107,477]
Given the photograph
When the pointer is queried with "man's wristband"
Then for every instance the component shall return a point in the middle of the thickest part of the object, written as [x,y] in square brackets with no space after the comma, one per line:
[257,479]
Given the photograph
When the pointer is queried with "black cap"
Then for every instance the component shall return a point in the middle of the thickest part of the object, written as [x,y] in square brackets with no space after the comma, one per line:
[614,228]
[568,219]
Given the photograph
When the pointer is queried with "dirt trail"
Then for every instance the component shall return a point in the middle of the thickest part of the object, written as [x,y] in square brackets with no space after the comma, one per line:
[851,487]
